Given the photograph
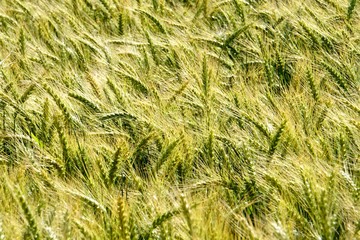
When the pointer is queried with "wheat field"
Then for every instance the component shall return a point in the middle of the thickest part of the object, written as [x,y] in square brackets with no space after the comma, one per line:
[180,119]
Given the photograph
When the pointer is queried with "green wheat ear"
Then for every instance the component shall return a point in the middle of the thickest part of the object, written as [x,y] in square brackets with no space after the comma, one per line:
[333,4]
[351,8]
[230,39]
[84,231]
[27,93]
[137,84]
[158,222]
[44,135]
[152,48]
[123,219]
[313,87]
[166,154]
[93,106]
[185,208]
[2,234]
[66,155]
[178,92]
[116,92]
[205,78]
[22,42]
[311,33]
[67,225]
[154,20]
[58,102]
[337,76]
[261,127]
[88,4]
[107,6]
[155,4]
[239,10]
[276,139]
[94,204]
[160,219]
[114,166]
[11,87]
[33,227]
[75,6]
[269,74]
[121,26]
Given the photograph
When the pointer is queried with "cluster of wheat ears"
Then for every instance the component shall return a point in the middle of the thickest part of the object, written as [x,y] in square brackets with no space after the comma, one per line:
[179,119]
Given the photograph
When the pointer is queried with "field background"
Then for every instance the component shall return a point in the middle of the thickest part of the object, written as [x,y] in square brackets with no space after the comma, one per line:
[179,119]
